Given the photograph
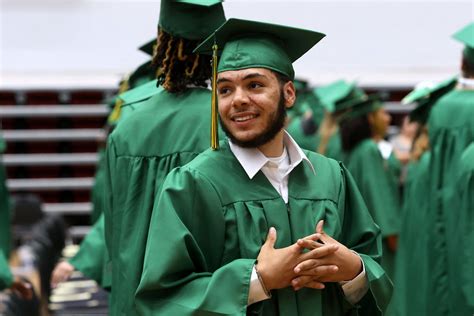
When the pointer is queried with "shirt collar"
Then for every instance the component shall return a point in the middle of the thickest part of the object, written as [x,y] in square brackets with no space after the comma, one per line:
[252,159]
[467,83]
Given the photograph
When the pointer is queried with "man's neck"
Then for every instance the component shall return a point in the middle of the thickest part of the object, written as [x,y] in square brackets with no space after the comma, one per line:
[273,148]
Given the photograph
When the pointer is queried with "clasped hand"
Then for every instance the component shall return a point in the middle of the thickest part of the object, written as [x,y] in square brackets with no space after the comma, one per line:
[310,262]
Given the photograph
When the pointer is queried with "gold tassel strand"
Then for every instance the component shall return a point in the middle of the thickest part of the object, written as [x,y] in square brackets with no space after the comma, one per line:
[214,126]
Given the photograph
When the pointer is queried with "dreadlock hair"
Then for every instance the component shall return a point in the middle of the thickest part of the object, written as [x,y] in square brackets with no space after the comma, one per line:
[353,131]
[177,65]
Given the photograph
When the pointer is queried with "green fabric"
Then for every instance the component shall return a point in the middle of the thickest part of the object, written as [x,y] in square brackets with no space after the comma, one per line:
[333,93]
[140,93]
[6,277]
[193,20]
[465,243]
[92,255]
[359,107]
[425,97]
[204,262]
[97,192]
[305,102]
[296,131]
[451,131]
[466,36]
[164,132]
[250,44]
[411,293]
[3,145]
[374,177]
[5,215]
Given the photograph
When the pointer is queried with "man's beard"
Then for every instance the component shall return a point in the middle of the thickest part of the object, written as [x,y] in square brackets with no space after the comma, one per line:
[274,126]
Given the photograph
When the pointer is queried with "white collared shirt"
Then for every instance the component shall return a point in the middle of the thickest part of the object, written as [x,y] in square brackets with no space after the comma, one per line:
[277,171]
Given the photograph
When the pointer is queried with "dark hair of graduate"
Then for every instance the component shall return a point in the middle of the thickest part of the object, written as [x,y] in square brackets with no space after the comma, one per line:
[353,131]
[177,65]
[467,68]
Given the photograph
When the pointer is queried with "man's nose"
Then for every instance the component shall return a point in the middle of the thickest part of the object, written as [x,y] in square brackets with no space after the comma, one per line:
[240,98]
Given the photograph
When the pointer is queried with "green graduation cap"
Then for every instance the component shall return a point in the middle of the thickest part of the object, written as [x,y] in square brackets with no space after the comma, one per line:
[251,44]
[148,47]
[425,97]
[365,105]
[246,44]
[466,36]
[191,19]
[300,84]
[339,95]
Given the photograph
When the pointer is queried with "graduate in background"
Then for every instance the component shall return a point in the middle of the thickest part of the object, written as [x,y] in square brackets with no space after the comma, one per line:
[451,131]
[412,296]
[362,129]
[239,230]
[92,258]
[166,131]
[336,98]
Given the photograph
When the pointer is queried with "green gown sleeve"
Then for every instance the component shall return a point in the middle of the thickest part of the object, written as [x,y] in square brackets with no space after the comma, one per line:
[91,257]
[183,273]
[98,189]
[6,278]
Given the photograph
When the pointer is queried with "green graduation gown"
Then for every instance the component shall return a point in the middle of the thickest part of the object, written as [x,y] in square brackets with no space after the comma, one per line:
[411,269]
[465,239]
[210,221]
[92,257]
[451,130]
[374,177]
[5,275]
[166,131]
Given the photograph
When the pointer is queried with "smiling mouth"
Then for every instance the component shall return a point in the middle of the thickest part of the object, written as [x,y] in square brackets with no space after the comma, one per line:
[244,118]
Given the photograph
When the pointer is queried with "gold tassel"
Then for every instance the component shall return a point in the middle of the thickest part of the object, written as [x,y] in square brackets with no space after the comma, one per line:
[117,110]
[214,126]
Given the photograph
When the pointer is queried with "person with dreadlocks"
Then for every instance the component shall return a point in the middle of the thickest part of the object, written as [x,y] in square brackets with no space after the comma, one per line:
[166,131]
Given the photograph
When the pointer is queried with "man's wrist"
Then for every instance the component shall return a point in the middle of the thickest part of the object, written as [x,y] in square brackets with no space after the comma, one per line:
[262,282]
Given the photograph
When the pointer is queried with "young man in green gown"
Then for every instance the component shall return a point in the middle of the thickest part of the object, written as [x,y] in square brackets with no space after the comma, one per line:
[451,131]
[239,230]
[166,131]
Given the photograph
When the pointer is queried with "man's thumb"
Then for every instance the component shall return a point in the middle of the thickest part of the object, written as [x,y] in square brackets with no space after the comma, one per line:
[271,237]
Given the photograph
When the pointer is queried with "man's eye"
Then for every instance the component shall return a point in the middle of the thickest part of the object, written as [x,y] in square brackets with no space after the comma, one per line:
[255,85]
[223,90]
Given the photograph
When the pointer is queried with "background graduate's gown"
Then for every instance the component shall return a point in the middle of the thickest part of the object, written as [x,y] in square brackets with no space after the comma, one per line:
[411,269]
[211,220]
[375,179]
[166,131]
[451,130]
[6,277]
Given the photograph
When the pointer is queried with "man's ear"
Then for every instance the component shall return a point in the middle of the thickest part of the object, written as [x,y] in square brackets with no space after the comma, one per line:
[289,93]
